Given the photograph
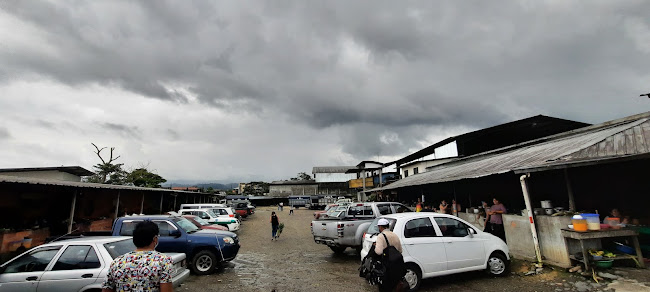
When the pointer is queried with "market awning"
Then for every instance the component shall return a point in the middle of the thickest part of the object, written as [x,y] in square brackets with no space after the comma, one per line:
[627,138]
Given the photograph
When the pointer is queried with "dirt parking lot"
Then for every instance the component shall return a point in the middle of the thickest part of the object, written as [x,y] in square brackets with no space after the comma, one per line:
[296,263]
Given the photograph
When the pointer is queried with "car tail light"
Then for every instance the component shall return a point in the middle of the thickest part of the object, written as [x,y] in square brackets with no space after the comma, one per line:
[339,229]
[364,235]
[231,215]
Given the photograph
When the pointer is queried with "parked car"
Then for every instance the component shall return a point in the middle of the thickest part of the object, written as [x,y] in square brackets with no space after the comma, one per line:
[213,217]
[436,244]
[201,206]
[344,226]
[205,249]
[73,265]
[204,224]
[318,214]
[242,208]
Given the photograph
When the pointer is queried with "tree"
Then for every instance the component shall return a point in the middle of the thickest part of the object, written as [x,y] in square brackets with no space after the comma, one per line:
[142,177]
[302,176]
[107,172]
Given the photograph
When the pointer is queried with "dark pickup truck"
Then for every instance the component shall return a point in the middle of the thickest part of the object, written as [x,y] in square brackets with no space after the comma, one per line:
[205,249]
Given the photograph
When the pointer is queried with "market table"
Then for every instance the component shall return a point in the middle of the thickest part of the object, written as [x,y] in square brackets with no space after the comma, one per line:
[581,236]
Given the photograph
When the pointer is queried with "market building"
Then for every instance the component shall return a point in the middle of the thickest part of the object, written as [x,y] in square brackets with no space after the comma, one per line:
[591,169]
[39,203]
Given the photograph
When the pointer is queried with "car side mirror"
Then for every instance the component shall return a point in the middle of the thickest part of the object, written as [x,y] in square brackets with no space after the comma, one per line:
[471,232]
[175,233]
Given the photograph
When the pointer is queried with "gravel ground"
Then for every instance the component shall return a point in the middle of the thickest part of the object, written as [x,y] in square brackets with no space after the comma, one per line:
[296,263]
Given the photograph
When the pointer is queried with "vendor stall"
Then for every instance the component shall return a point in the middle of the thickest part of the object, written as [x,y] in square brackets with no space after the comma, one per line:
[598,235]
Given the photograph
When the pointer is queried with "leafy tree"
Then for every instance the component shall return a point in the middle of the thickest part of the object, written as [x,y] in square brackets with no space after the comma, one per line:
[302,176]
[142,177]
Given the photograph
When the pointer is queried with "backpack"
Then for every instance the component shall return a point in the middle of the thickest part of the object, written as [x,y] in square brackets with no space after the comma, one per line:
[394,263]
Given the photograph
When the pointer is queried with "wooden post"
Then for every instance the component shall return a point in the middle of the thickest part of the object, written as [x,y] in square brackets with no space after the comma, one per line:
[117,205]
[572,202]
[161,203]
[175,202]
[142,204]
[74,202]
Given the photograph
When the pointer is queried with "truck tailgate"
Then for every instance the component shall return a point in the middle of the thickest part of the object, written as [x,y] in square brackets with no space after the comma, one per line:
[325,228]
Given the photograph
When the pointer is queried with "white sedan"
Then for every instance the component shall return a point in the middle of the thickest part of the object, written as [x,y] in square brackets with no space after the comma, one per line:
[436,244]
[73,265]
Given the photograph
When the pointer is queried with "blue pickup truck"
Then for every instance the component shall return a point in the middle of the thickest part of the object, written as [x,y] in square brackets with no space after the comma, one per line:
[205,249]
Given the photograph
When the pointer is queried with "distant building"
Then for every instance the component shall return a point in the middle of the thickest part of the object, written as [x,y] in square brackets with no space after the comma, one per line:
[328,174]
[61,173]
[288,188]
[187,189]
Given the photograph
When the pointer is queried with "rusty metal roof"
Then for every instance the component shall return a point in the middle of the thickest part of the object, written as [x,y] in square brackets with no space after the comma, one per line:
[49,182]
[615,139]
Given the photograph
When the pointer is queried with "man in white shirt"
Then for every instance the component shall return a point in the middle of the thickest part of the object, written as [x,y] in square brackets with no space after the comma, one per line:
[393,239]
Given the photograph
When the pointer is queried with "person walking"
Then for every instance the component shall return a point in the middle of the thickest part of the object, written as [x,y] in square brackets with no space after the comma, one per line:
[291,210]
[418,206]
[385,240]
[496,219]
[143,269]
[275,222]
[281,206]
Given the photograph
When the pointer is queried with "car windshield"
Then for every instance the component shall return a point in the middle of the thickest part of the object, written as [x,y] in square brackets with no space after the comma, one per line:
[374,229]
[118,248]
[201,221]
[186,225]
[335,212]
[213,212]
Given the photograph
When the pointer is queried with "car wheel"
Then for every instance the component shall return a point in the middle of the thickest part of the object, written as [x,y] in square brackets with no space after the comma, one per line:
[413,277]
[338,249]
[497,265]
[204,262]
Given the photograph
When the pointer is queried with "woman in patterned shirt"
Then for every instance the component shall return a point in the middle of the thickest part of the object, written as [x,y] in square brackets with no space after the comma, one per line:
[143,269]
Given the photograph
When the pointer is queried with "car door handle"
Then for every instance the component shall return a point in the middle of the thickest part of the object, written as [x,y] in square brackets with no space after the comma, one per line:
[32,278]
[87,275]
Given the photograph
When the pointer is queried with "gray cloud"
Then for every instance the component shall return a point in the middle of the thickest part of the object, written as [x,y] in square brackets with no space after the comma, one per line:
[4,134]
[123,130]
[366,67]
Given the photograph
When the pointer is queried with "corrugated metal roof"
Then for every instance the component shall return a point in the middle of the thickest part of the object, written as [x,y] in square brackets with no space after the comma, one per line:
[331,169]
[76,170]
[40,181]
[617,138]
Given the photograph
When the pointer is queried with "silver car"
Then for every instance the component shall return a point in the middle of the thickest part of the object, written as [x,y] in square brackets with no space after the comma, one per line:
[73,265]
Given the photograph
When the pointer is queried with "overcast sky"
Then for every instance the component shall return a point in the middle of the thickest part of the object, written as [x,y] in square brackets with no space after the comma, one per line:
[234,91]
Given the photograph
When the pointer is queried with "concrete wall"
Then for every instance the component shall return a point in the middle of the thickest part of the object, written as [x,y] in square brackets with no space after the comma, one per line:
[551,242]
[520,240]
[47,174]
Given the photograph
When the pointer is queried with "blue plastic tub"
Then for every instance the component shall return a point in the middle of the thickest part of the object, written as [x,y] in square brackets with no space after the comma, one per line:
[625,249]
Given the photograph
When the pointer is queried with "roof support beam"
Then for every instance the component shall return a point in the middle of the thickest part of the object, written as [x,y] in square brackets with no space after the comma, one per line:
[74,202]
[529,207]
[572,202]
[117,205]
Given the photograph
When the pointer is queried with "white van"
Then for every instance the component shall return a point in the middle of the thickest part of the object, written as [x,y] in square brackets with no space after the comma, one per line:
[201,206]
[213,216]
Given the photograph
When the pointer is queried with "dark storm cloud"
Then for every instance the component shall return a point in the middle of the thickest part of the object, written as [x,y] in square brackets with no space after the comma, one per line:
[367,67]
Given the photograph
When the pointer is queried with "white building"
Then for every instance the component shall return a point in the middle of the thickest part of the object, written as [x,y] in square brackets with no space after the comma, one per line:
[326,174]
[61,173]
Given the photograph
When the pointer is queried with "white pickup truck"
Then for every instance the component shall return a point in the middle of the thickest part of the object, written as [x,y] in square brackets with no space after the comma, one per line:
[347,227]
